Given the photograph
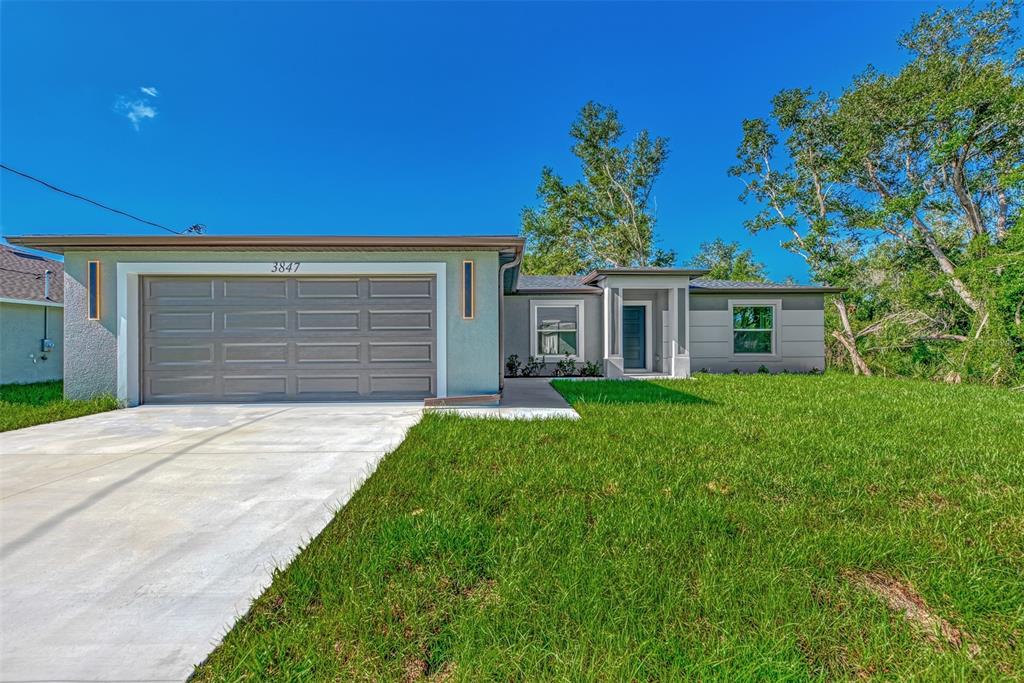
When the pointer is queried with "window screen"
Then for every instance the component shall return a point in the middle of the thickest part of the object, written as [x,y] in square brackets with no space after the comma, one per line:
[752,329]
[557,331]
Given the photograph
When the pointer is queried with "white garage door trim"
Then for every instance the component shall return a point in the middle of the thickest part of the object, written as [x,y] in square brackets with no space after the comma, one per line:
[128,388]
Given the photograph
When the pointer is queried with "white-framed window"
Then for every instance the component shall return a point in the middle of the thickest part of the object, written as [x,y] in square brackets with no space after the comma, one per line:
[754,327]
[556,329]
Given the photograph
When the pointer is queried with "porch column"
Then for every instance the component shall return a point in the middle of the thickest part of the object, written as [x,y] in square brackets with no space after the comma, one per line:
[679,330]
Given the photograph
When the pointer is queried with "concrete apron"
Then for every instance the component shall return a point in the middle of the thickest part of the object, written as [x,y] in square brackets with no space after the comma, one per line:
[131,541]
[524,398]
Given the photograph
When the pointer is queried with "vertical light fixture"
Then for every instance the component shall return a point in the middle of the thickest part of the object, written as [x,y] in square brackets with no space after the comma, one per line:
[92,286]
[468,277]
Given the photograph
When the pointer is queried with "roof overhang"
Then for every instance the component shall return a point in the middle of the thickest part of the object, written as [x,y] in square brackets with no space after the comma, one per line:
[795,289]
[600,273]
[30,302]
[559,290]
[59,244]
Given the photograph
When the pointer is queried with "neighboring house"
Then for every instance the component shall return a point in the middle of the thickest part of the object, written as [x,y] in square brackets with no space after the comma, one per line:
[31,317]
[275,318]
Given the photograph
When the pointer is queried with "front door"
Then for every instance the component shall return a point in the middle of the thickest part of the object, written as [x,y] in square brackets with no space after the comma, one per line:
[634,337]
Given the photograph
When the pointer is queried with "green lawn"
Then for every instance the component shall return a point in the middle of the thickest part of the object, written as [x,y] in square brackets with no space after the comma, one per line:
[24,405]
[728,528]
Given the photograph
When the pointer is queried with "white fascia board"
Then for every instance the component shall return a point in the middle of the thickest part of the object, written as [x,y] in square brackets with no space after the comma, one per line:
[646,281]
[30,302]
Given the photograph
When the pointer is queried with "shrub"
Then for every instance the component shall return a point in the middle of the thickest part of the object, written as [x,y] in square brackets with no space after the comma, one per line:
[512,366]
[533,366]
[566,367]
[591,368]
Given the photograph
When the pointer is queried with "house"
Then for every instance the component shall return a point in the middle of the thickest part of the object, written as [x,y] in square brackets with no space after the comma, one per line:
[248,318]
[31,317]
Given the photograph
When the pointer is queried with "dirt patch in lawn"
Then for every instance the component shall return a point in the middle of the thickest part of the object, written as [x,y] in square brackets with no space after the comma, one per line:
[901,597]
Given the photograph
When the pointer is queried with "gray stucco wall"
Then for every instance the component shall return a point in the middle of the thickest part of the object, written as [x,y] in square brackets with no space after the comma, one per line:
[91,345]
[800,345]
[518,332]
[21,333]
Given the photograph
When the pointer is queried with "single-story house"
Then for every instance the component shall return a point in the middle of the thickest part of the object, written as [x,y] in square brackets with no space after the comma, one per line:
[31,317]
[204,318]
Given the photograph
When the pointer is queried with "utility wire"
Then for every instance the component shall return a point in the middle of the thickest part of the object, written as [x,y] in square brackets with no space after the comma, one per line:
[22,272]
[193,229]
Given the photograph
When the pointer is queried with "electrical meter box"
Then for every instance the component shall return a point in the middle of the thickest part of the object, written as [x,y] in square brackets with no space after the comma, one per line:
[46,346]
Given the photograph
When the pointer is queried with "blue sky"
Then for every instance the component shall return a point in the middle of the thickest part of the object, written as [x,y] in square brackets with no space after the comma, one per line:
[418,118]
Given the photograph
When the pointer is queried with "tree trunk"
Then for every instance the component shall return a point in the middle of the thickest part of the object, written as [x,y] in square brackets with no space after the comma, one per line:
[1001,216]
[847,339]
[945,264]
[949,269]
[974,218]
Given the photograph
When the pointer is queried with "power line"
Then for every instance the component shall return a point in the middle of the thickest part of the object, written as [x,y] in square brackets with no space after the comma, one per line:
[197,228]
[22,272]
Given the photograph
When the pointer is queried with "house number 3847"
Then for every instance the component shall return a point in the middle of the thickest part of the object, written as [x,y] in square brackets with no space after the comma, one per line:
[285,266]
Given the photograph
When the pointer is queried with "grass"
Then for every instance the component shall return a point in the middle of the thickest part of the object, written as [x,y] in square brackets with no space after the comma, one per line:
[24,405]
[727,528]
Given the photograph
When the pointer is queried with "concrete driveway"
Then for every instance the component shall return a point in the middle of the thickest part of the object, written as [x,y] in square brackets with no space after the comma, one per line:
[131,541]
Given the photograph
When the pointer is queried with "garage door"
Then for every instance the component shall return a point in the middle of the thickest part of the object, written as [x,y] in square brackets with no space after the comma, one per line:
[288,339]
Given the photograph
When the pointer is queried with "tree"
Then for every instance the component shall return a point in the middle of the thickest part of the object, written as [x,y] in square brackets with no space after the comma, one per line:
[606,218]
[726,261]
[930,159]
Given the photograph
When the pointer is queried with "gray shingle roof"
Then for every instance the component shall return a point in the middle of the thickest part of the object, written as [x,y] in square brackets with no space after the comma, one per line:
[21,276]
[704,283]
[527,282]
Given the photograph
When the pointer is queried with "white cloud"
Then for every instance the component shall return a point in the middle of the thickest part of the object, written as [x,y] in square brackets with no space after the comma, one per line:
[136,110]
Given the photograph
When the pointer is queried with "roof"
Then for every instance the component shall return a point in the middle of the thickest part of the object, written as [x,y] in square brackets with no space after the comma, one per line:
[702,284]
[60,243]
[595,275]
[22,277]
[587,283]
[560,283]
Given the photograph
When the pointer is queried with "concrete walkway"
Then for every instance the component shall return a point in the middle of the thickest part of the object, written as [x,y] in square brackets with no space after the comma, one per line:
[130,541]
[524,398]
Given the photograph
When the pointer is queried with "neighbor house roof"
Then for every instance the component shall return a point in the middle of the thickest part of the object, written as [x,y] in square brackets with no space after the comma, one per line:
[702,284]
[59,243]
[23,277]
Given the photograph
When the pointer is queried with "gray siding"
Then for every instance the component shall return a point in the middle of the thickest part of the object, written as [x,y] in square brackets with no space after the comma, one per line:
[21,333]
[800,334]
[518,332]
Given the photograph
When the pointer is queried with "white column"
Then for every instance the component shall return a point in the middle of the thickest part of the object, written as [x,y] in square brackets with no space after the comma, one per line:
[673,333]
[606,296]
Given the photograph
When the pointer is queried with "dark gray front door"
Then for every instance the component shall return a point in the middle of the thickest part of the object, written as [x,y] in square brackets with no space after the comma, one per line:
[634,337]
[245,339]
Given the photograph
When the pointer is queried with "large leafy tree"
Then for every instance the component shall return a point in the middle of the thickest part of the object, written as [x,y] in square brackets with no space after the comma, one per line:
[728,261]
[606,218]
[927,164]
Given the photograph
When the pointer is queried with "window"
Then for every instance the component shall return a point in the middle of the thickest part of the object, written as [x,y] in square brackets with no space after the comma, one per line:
[557,329]
[93,288]
[753,328]
[467,290]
